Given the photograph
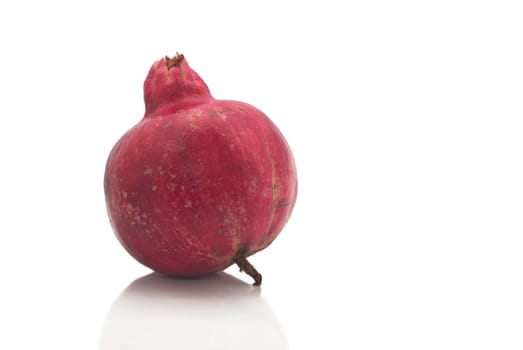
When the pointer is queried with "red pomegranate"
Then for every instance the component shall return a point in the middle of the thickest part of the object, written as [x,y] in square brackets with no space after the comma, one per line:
[198,184]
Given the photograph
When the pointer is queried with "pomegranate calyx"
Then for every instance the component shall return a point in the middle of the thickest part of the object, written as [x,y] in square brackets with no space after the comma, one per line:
[174,61]
[167,90]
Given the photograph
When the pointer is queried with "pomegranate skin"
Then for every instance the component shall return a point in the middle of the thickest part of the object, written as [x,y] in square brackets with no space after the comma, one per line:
[198,182]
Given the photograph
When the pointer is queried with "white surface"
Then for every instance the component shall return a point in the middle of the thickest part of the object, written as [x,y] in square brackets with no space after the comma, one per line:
[405,119]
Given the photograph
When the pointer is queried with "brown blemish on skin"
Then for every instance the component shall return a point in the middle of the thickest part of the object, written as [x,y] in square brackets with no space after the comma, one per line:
[235,235]
[283,203]
[231,221]
[275,189]
[148,171]
[221,114]
[217,253]
[275,192]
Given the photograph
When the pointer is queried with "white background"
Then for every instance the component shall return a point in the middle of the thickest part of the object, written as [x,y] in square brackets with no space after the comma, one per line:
[406,122]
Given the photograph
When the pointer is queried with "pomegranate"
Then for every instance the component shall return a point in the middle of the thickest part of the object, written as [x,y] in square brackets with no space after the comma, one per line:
[198,184]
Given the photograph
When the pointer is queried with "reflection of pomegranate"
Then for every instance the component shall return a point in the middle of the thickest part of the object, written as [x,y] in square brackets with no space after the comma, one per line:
[214,312]
[198,183]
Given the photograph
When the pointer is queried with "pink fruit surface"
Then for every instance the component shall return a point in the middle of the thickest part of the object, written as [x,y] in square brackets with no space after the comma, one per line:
[198,184]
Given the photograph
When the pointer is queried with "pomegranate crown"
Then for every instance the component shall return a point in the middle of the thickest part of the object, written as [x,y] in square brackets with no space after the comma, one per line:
[172,84]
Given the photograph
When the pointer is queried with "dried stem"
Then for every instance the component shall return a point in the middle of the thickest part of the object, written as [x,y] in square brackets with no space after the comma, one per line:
[245,266]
